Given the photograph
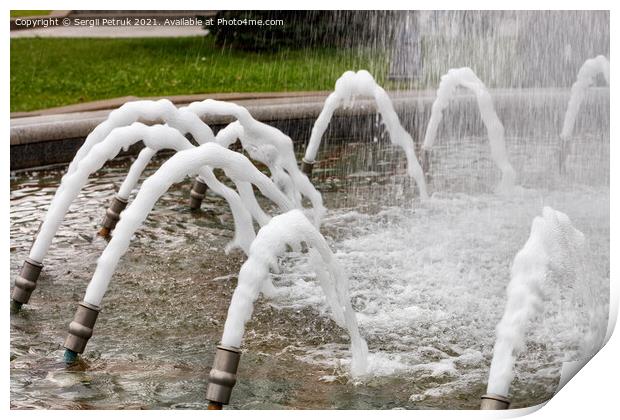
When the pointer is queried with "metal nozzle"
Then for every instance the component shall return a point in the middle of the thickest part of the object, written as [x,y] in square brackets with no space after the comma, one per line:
[306,167]
[197,194]
[223,375]
[112,215]
[81,328]
[494,402]
[26,282]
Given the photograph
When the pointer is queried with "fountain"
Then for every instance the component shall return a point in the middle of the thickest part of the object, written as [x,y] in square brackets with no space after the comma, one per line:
[348,87]
[554,244]
[264,143]
[155,138]
[268,145]
[466,78]
[183,163]
[426,281]
[288,229]
[586,78]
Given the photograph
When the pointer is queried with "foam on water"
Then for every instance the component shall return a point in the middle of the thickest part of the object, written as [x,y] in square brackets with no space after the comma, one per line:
[361,84]
[235,165]
[292,229]
[428,286]
[465,77]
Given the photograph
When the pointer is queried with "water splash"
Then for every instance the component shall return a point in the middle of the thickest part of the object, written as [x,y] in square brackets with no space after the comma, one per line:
[554,244]
[291,229]
[186,162]
[465,77]
[361,84]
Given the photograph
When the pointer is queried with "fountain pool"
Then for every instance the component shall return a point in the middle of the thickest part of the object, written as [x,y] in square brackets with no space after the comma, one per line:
[427,281]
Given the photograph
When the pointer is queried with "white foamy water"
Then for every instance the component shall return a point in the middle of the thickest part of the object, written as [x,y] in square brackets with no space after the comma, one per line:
[187,162]
[553,244]
[466,78]
[353,85]
[145,111]
[585,79]
[154,137]
[292,229]
[428,286]
[268,145]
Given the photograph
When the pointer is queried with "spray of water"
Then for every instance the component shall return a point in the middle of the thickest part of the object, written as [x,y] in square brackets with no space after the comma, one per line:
[361,84]
[268,145]
[236,166]
[291,229]
[554,244]
[466,78]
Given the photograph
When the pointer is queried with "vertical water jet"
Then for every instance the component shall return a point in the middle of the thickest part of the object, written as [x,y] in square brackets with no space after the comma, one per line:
[553,243]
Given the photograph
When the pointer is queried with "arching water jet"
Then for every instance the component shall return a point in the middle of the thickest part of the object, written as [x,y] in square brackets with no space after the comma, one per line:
[267,145]
[465,77]
[186,162]
[155,138]
[361,84]
[586,78]
[289,229]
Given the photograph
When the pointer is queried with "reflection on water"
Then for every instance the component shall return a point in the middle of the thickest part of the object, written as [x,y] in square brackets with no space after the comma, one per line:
[427,279]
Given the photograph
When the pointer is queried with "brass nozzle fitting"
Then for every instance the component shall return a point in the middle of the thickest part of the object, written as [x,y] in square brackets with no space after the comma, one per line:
[223,375]
[197,194]
[27,281]
[81,328]
[306,167]
[494,402]
[112,215]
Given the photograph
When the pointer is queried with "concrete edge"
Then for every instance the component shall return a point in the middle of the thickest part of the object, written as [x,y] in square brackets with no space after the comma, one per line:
[50,139]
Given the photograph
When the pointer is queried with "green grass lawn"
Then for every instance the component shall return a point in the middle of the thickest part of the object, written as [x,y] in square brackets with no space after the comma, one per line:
[22,13]
[48,72]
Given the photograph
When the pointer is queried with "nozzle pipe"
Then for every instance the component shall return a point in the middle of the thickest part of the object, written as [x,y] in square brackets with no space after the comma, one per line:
[81,328]
[197,194]
[223,376]
[26,282]
[494,402]
[306,167]
[112,215]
